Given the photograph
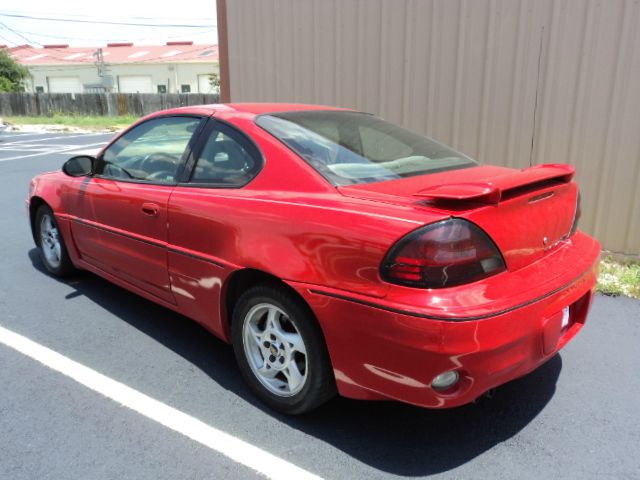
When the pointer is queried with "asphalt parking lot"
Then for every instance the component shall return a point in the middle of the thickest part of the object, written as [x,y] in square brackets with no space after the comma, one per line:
[577,416]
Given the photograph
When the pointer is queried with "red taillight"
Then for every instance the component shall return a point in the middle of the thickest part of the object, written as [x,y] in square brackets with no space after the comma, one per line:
[576,216]
[443,254]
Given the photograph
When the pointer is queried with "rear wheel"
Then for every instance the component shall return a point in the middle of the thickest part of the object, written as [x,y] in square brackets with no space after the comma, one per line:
[281,351]
[53,251]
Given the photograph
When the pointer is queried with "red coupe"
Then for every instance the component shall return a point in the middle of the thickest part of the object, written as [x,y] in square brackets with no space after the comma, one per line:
[337,252]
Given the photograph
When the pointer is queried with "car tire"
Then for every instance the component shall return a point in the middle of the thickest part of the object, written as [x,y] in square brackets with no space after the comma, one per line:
[281,351]
[53,251]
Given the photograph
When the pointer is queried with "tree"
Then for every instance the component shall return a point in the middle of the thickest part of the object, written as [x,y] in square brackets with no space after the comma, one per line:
[6,85]
[214,81]
[12,74]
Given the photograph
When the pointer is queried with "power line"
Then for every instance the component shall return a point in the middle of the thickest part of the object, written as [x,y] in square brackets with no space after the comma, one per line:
[6,39]
[111,39]
[19,34]
[57,14]
[104,22]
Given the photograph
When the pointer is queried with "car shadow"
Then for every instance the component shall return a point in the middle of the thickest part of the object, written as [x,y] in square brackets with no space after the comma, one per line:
[389,436]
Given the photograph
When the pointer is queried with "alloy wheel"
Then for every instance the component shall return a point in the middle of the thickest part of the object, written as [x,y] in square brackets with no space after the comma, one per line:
[50,241]
[275,350]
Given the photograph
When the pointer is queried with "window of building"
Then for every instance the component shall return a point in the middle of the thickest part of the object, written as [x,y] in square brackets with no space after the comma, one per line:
[162,89]
[185,88]
[39,89]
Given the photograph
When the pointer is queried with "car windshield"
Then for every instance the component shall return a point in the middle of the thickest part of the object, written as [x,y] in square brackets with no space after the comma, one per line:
[349,147]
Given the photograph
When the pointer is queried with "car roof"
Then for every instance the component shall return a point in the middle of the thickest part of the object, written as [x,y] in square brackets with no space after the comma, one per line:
[261,108]
[244,108]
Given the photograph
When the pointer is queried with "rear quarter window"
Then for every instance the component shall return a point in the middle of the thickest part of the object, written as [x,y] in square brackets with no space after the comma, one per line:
[227,159]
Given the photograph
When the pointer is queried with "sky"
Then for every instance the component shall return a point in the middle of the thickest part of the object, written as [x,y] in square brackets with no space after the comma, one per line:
[197,23]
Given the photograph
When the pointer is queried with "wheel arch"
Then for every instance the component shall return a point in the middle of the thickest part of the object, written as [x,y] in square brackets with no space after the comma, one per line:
[34,204]
[242,280]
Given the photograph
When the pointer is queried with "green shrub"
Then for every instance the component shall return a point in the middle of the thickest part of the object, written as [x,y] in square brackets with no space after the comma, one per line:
[619,278]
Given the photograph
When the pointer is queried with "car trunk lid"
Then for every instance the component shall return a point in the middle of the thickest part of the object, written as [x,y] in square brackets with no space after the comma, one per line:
[526,212]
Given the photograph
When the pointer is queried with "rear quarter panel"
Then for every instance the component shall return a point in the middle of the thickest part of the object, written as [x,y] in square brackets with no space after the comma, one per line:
[288,222]
[311,239]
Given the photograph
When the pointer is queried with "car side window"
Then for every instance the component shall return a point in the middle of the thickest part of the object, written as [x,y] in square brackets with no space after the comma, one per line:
[149,152]
[227,159]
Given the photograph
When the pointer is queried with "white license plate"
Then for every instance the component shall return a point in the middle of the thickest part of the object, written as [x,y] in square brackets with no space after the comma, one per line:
[565,318]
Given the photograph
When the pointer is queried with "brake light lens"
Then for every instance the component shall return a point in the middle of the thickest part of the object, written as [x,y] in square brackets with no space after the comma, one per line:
[576,216]
[444,254]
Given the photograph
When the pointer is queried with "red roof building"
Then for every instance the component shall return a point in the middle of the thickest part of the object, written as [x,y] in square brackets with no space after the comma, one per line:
[176,67]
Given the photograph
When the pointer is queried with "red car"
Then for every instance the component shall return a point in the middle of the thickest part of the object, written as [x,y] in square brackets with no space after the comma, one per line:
[337,252]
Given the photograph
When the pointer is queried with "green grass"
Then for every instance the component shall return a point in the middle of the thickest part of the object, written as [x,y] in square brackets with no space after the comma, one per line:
[619,278]
[87,122]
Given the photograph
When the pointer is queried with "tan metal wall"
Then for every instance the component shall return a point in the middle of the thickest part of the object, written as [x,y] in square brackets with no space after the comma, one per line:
[489,77]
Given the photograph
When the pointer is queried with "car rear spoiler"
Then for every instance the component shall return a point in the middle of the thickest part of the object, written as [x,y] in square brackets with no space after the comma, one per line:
[501,187]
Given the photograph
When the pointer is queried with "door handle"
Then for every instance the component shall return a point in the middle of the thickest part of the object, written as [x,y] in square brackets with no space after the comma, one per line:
[150,209]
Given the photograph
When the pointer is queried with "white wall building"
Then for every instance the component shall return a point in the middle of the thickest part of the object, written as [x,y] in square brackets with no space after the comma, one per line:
[177,67]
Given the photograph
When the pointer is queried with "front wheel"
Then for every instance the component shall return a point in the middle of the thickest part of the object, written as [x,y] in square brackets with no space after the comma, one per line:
[51,247]
[281,351]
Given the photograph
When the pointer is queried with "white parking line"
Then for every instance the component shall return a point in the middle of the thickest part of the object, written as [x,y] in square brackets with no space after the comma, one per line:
[45,147]
[11,135]
[23,149]
[224,443]
[86,151]
[83,135]
[51,152]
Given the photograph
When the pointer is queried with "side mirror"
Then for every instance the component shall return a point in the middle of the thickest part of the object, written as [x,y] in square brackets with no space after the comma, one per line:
[79,166]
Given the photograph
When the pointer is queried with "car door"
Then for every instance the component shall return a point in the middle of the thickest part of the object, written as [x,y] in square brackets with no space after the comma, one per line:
[120,222]
[205,218]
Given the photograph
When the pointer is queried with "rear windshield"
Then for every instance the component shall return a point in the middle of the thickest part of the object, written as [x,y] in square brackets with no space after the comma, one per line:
[349,147]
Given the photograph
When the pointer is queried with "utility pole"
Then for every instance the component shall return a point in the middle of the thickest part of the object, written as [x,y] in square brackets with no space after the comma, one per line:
[99,63]
[103,70]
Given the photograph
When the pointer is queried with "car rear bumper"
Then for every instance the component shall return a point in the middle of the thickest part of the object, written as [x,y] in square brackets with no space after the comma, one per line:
[384,350]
